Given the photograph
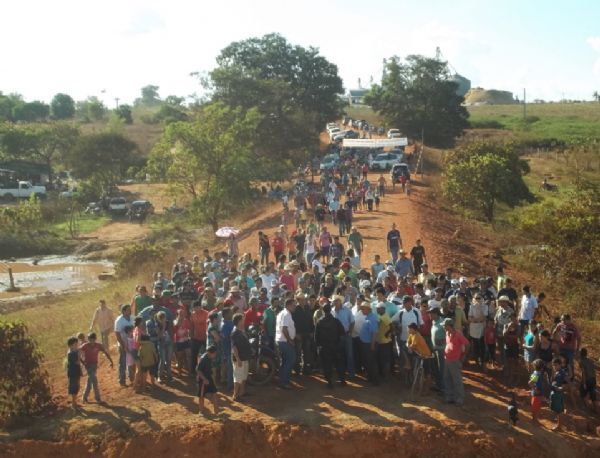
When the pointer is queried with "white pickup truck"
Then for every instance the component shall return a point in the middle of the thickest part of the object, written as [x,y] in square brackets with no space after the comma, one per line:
[21,190]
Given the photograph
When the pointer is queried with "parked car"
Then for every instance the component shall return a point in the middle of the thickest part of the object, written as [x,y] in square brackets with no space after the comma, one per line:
[69,193]
[21,190]
[333,132]
[329,162]
[139,210]
[398,170]
[345,134]
[384,161]
[117,206]
[393,133]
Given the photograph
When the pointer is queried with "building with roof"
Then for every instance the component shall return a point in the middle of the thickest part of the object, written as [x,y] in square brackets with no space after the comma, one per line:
[356,96]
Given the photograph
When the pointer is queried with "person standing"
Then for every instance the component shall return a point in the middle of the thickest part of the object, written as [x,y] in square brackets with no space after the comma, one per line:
[438,345]
[368,342]
[478,313]
[527,310]
[264,248]
[328,338]
[344,315]
[241,353]
[123,320]
[103,318]
[89,356]
[355,241]
[199,327]
[73,369]
[285,333]
[417,255]
[394,242]
[456,349]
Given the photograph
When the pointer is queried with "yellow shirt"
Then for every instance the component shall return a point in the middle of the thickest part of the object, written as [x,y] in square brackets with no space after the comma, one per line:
[384,327]
[416,342]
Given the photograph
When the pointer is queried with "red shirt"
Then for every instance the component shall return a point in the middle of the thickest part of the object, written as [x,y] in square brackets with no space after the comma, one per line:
[181,330]
[252,317]
[426,328]
[289,281]
[90,351]
[489,335]
[277,243]
[199,323]
[454,345]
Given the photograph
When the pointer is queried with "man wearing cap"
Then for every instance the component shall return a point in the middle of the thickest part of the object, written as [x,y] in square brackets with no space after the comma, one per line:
[438,344]
[238,299]
[455,352]
[287,279]
[394,242]
[503,318]
[403,265]
[368,342]
[344,315]
[285,333]
[417,254]
[425,276]
[328,338]
[388,272]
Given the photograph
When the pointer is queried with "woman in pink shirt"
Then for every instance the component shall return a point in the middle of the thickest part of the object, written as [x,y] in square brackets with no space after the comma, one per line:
[457,346]
[181,336]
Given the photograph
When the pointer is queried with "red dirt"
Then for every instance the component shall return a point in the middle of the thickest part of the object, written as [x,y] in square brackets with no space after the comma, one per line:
[358,420]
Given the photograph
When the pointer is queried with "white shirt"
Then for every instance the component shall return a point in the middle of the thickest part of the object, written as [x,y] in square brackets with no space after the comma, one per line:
[477,311]
[121,323]
[528,306]
[284,319]
[359,319]
[319,265]
[408,317]
[267,280]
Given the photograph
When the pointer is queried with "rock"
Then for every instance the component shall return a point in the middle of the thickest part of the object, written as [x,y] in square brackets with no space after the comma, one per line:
[106,276]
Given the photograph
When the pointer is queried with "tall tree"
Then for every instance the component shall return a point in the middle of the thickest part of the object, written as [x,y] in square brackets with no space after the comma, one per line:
[211,158]
[294,88]
[30,111]
[149,97]
[124,113]
[42,143]
[103,158]
[62,106]
[417,95]
[90,109]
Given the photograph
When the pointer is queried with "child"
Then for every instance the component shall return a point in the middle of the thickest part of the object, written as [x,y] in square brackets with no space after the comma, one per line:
[148,359]
[416,344]
[206,383]
[535,383]
[489,336]
[529,345]
[73,369]
[138,330]
[81,339]
[89,357]
[557,397]
[588,379]
[132,353]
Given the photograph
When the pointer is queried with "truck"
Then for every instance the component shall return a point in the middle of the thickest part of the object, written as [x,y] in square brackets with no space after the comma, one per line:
[21,190]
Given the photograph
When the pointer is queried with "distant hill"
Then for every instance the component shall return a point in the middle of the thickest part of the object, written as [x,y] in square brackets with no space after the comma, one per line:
[480,96]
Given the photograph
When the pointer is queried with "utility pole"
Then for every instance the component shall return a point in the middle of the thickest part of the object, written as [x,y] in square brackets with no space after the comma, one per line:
[524,104]
[117,101]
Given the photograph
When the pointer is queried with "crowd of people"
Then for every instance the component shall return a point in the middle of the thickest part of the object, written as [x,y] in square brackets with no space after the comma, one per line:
[321,306]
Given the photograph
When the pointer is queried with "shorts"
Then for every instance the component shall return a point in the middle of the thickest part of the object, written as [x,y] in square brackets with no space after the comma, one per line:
[557,402]
[240,374]
[74,385]
[203,390]
[182,346]
[324,251]
[536,404]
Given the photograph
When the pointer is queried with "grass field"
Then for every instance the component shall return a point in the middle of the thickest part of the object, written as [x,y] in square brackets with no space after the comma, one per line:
[564,121]
[86,224]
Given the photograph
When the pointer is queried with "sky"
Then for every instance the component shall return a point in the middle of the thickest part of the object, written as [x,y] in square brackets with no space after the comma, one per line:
[112,48]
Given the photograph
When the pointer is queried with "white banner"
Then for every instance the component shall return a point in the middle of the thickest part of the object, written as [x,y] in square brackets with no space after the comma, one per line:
[374,143]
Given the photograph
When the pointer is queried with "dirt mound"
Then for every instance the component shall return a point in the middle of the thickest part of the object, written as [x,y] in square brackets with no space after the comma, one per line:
[480,96]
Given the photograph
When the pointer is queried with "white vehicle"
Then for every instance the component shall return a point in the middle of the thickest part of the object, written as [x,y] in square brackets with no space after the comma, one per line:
[117,205]
[331,125]
[394,133]
[21,190]
[384,161]
[73,192]
[334,132]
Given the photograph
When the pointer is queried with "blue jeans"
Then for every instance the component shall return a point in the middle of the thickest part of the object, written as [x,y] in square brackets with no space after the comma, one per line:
[123,367]
[349,349]
[342,227]
[288,359]
[394,252]
[92,382]
[165,353]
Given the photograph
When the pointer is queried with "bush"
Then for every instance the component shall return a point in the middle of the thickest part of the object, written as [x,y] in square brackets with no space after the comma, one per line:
[486,124]
[133,257]
[24,386]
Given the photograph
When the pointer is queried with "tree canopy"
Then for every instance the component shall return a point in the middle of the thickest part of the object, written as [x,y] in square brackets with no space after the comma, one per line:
[417,94]
[211,158]
[295,89]
[149,96]
[479,175]
[62,106]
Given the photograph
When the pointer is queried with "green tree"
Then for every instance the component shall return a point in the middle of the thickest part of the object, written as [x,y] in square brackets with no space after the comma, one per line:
[43,143]
[91,109]
[417,95]
[124,112]
[479,175]
[596,96]
[103,158]
[30,111]
[149,97]
[7,104]
[294,88]
[62,106]
[211,158]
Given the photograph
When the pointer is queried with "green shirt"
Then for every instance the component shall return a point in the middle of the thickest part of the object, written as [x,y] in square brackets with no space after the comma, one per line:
[438,334]
[354,240]
[141,302]
[269,321]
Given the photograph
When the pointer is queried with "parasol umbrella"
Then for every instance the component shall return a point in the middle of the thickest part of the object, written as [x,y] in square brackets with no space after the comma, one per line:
[227,231]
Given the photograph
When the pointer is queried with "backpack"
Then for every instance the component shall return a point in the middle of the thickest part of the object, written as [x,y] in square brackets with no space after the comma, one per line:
[399,324]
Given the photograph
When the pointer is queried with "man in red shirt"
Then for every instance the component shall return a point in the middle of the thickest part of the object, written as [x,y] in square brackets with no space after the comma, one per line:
[199,321]
[89,356]
[457,346]
[278,244]
[252,316]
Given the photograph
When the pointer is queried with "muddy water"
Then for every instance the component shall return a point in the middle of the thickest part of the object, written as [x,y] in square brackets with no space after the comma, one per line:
[51,275]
